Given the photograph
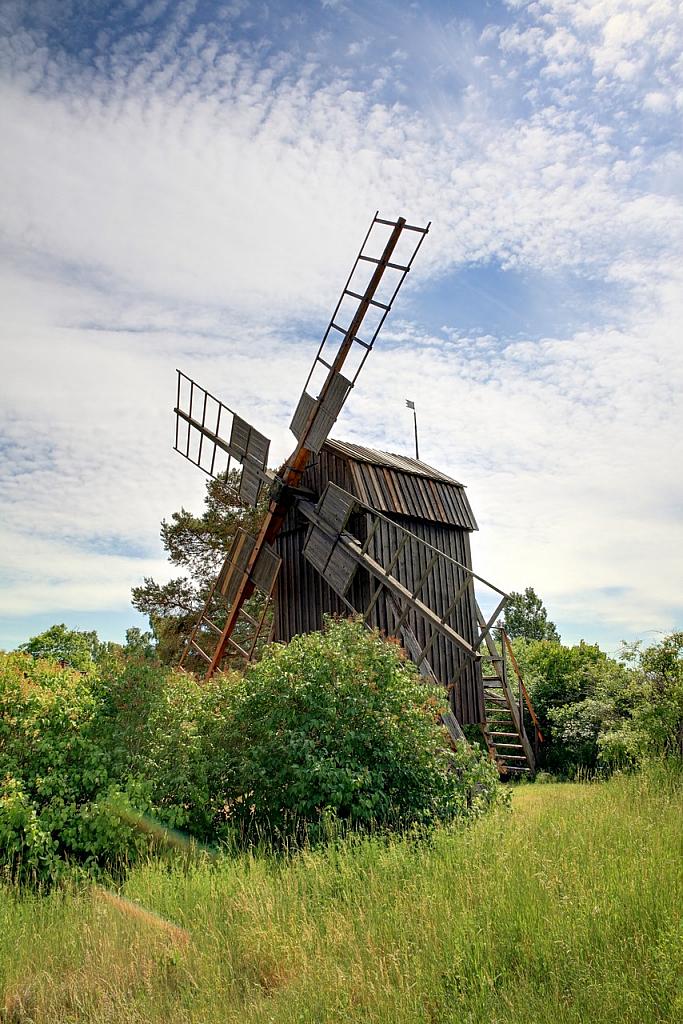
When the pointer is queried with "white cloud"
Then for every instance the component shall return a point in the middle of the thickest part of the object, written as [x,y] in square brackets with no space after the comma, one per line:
[39,571]
[195,205]
[630,44]
[657,102]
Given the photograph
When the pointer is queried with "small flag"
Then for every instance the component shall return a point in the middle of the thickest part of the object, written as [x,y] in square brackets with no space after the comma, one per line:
[411,405]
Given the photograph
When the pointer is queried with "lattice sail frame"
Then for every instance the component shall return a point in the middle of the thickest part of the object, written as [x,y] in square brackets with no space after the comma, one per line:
[335,549]
[212,436]
[263,575]
[314,417]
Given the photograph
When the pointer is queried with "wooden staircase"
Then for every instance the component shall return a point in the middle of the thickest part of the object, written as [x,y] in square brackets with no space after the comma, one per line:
[504,730]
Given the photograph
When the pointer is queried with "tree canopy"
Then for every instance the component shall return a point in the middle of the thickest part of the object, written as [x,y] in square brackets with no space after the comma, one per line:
[527,618]
[71,647]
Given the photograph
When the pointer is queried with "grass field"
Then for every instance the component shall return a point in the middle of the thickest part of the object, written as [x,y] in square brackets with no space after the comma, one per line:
[567,908]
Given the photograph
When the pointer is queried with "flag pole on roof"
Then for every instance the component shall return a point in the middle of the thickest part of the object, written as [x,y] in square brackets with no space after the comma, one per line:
[411,405]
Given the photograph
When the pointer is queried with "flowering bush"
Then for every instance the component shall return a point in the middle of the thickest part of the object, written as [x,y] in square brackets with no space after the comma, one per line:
[336,725]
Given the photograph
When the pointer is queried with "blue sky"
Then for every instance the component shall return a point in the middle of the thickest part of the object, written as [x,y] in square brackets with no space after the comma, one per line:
[187,183]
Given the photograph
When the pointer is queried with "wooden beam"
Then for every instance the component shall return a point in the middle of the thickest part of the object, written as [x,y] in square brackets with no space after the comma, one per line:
[294,470]
[453,726]
[354,547]
[518,673]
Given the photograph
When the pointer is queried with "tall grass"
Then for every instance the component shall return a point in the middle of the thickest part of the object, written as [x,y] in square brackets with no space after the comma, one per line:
[565,908]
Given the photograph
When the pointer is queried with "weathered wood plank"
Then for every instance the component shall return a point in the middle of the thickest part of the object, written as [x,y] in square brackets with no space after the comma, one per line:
[453,726]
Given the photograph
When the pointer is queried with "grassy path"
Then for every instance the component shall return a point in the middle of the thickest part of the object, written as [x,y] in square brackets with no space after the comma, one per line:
[567,908]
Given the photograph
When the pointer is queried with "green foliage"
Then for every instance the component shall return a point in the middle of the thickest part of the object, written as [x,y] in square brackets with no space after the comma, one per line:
[139,644]
[56,770]
[574,733]
[526,617]
[337,724]
[660,713]
[654,726]
[70,646]
[596,711]
[157,718]
[577,692]
[172,609]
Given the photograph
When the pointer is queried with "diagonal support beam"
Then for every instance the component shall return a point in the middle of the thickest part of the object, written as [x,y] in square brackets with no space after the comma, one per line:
[395,587]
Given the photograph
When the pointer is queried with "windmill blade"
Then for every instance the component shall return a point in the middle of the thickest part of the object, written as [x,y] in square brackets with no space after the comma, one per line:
[263,572]
[238,568]
[211,436]
[347,540]
[314,416]
[337,554]
[342,345]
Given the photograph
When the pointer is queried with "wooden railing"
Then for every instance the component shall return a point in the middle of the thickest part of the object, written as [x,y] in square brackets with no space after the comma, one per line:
[523,692]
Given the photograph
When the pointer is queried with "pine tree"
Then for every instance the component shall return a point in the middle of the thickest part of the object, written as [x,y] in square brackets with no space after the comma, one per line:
[198,545]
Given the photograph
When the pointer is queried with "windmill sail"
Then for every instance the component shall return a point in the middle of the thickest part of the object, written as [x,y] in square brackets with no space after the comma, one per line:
[205,438]
[212,437]
[363,555]
[253,630]
[358,308]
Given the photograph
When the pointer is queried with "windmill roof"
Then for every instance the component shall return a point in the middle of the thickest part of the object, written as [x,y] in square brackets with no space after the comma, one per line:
[396,484]
[389,460]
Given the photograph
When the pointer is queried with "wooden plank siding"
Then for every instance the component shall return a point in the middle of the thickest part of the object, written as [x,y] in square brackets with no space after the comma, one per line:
[437,511]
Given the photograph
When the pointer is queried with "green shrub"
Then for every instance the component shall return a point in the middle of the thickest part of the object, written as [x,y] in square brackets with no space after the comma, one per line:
[56,772]
[82,753]
[155,715]
[67,646]
[598,713]
[578,693]
[575,732]
[336,725]
[654,725]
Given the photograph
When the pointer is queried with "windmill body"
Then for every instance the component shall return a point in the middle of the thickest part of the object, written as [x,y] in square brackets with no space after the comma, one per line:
[413,497]
[348,528]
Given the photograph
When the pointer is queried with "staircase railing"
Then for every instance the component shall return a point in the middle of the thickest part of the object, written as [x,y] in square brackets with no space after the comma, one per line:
[523,697]
[505,703]
[517,711]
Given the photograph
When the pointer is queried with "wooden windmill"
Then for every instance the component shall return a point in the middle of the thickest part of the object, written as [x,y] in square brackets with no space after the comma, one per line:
[348,529]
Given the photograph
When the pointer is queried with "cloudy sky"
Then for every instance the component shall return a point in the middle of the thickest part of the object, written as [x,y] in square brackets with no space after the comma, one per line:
[187,183]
